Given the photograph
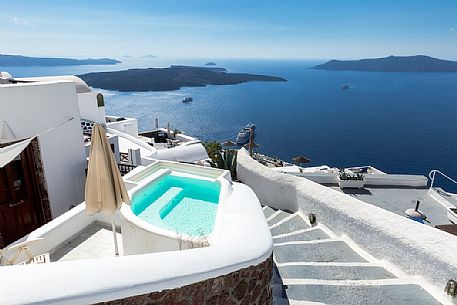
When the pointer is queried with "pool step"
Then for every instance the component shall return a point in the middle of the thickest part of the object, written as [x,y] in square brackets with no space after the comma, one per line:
[162,206]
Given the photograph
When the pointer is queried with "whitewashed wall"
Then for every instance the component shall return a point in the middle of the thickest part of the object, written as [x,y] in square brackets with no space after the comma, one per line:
[35,107]
[416,248]
[272,188]
[88,107]
[128,126]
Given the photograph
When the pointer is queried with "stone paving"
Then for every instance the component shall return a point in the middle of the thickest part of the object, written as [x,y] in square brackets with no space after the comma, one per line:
[312,267]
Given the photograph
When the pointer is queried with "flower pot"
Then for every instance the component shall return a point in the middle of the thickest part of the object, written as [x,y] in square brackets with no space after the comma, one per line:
[355,184]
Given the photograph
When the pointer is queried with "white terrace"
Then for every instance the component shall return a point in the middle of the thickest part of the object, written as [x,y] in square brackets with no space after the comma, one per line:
[84,270]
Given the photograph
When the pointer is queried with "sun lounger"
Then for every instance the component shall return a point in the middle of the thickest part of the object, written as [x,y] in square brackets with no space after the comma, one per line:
[20,254]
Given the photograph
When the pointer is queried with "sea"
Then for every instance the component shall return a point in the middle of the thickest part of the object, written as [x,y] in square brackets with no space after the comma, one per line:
[397,122]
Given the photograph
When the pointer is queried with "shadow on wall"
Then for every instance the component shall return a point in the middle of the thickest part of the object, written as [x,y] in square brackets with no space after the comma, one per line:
[273,189]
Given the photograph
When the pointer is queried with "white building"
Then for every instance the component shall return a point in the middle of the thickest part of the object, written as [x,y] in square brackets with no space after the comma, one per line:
[48,177]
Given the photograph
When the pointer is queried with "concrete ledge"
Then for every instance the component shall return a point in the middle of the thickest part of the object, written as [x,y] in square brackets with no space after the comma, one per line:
[415,248]
[383,180]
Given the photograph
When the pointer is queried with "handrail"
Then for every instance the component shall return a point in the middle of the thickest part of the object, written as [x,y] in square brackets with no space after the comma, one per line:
[432,174]
[125,168]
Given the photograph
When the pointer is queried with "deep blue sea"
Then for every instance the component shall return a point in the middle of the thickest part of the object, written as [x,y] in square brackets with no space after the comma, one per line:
[397,122]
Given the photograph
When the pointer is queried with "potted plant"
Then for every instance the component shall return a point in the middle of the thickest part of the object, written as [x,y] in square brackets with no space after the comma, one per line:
[347,180]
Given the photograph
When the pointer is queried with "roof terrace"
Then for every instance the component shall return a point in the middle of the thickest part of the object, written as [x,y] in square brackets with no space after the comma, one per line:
[400,199]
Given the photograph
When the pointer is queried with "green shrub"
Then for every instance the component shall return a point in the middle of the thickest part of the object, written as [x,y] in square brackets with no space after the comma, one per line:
[225,159]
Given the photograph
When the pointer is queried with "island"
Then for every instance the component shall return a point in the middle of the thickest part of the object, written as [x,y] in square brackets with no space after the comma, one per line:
[418,63]
[149,56]
[210,63]
[25,61]
[172,78]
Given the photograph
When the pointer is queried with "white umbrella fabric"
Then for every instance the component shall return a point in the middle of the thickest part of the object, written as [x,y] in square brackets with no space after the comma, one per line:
[105,189]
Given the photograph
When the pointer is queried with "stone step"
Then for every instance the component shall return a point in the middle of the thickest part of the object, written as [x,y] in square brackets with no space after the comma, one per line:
[332,251]
[294,224]
[267,211]
[407,294]
[315,234]
[280,216]
[334,272]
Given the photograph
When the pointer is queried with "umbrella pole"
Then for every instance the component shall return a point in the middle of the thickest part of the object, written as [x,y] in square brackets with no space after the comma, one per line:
[250,141]
[113,226]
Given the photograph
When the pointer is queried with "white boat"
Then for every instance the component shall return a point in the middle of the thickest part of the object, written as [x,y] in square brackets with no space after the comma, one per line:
[245,134]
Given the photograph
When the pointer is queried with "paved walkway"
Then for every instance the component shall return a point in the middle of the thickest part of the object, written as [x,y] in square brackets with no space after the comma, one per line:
[312,267]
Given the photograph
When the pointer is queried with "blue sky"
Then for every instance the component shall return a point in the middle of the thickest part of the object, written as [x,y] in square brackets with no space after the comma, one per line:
[318,29]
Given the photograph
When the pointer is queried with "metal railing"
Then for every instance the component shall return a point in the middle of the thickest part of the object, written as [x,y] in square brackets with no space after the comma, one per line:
[124,157]
[125,168]
[433,173]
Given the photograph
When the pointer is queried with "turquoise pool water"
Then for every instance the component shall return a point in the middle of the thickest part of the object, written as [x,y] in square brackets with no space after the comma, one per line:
[180,204]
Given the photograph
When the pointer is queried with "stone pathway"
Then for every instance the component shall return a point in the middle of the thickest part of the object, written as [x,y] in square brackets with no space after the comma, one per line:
[312,267]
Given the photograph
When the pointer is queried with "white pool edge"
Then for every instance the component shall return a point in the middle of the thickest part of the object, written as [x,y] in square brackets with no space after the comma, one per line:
[149,237]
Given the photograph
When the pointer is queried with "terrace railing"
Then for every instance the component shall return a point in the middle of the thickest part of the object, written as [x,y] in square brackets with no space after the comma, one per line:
[125,168]
[433,173]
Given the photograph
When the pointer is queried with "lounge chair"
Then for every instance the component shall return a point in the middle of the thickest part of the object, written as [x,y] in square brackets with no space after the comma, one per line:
[14,255]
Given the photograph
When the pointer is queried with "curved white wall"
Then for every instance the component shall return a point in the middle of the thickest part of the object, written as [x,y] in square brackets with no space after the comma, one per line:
[417,249]
[278,192]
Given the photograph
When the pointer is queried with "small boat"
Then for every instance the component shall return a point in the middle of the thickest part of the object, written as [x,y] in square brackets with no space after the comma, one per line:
[245,134]
[345,87]
[187,100]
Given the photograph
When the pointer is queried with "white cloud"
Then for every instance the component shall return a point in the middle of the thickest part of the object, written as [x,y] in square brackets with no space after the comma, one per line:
[21,21]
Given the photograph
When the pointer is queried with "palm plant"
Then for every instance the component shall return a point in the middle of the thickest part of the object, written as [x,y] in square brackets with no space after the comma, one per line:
[212,148]
[225,159]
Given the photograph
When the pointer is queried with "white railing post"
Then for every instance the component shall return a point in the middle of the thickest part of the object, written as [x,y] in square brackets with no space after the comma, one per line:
[432,175]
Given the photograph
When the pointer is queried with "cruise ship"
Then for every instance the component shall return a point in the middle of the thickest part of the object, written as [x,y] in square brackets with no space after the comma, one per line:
[244,135]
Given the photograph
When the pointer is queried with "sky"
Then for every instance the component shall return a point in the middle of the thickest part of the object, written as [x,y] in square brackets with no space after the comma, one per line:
[309,29]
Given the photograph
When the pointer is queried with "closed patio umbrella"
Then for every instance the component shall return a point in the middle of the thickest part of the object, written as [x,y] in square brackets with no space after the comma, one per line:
[105,189]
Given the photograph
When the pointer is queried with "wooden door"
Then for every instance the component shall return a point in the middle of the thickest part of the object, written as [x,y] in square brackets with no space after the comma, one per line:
[20,211]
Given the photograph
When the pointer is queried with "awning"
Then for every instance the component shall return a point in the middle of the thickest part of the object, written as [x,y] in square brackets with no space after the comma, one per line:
[8,153]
